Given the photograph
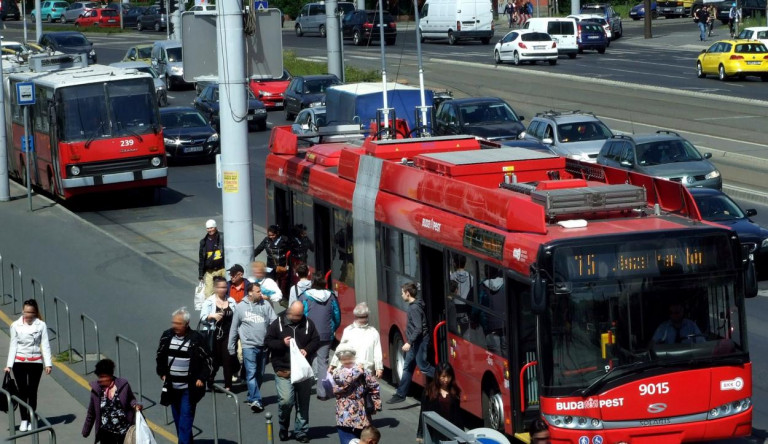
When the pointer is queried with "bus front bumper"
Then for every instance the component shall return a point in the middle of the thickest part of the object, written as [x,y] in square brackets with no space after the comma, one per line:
[107,179]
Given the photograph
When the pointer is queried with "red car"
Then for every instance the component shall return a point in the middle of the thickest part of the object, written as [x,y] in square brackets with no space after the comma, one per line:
[270,91]
[99,17]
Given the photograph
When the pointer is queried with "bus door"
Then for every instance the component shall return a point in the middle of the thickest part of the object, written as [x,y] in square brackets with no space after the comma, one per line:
[281,209]
[433,292]
[522,330]
[323,235]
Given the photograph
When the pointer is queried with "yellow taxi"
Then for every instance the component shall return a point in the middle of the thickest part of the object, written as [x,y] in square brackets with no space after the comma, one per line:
[139,53]
[739,58]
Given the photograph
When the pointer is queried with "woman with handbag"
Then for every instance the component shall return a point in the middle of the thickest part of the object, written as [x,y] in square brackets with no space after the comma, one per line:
[357,395]
[113,406]
[216,319]
[29,354]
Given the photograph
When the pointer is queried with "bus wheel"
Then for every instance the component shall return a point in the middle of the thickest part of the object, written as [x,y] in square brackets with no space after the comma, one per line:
[396,359]
[493,407]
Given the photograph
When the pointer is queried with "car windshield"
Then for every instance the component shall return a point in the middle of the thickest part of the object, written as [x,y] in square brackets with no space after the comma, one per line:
[490,112]
[666,151]
[536,37]
[174,54]
[145,53]
[109,13]
[582,131]
[718,207]
[91,5]
[590,27]
[599,21]
[751,48]
[184,119]
[318,86]
[373,17]
[72,40]
[594,9]
[61,5]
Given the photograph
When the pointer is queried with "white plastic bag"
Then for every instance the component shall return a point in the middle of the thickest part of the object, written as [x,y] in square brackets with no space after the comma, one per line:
[143,432]
[199,295]
[300,368]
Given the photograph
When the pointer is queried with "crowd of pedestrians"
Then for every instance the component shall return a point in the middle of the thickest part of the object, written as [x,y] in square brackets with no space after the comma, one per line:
[518,12]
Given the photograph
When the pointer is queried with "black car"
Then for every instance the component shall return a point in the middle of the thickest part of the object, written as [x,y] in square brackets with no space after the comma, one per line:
[487,117]
[153,17]
[68,42]
[715,206]
[363,27]
[131,16]
[208,104]
[187,134]
[307,91]
[9,10]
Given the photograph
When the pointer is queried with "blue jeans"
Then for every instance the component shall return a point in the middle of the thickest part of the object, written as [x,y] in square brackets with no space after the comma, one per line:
[183,416]
[347,434]
[290,396]
[416,355]
[254,361]
[703,30]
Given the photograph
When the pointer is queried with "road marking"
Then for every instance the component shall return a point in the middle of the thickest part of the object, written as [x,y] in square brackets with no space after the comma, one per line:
[83,383]
[644,73]
[730,117]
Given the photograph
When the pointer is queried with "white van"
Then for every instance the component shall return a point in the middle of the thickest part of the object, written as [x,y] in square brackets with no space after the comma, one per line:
[457,20]
[562,30]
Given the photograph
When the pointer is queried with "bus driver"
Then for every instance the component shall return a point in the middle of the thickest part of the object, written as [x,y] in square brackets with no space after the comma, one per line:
[677,329]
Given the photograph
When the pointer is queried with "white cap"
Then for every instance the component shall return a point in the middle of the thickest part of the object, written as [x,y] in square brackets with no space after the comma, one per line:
[210,223]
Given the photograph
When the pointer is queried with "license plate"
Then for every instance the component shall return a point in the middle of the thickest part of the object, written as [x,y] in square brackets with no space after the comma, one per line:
[754,63]
[594,37]
[111,21]
[539,47]
[193,149]
[278,103]
[251,117]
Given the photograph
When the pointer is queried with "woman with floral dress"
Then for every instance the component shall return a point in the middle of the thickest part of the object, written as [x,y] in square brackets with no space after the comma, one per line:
[352,382]
[112,407]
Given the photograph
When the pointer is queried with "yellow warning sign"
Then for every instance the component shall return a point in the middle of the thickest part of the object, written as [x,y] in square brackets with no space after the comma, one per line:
[231,182]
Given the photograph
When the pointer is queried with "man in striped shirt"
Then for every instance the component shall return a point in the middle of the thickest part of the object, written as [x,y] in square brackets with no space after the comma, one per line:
[184,361]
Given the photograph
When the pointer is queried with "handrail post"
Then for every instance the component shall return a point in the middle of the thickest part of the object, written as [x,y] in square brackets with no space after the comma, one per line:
[2,279]
[232,396]
[17,269]
[270,429]
[434,340]
[35,284]
[83,317]
[215,418]
[11,412]
[34,418]
[56,301]
[138,360]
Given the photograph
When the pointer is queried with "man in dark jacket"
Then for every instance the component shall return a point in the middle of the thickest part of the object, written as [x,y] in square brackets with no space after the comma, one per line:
[416,345]
[292,324]
[184,361]
[211,256]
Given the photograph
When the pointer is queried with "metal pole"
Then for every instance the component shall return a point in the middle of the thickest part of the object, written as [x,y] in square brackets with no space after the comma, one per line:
[648,16]
[270,431]
[120,10]
[575,6]
[233,106]
[333,39]
[423,121]
[38,22]
[24,18]
[383,66]
[138,363]
[11,418]
[14,271]
[5,186]
[167,19]
[215,419]
[27,152]
[56,301]
[83,317]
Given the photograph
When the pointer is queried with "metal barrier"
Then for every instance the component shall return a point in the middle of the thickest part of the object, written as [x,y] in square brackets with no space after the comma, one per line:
[83,317]
[437,429]
[56,301]
[11,413]
[15,267]
[221,389]
[2,282]
[138,360]
[270,428]
[35,284]
[13,436]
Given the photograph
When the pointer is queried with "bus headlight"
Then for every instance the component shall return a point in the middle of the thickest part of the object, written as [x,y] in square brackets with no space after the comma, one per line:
[156,162]
[731,408]
[574,422]
[74,170]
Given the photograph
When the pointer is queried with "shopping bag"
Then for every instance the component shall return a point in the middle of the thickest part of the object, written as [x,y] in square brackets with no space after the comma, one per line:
[199,295]
[9,385]
[143,432]
[300,368]
[328,384]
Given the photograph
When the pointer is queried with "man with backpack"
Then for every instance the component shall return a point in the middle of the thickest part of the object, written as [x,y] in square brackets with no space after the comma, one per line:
[322,308]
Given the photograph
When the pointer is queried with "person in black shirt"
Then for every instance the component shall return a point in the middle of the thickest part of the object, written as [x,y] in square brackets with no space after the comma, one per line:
[442,396]
[211,256]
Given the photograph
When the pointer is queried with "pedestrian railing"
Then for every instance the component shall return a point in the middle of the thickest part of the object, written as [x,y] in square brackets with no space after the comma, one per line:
[35,430]
[56,301]
[118,338]
[83,317]
[218,388]
[15,269]
[35,285]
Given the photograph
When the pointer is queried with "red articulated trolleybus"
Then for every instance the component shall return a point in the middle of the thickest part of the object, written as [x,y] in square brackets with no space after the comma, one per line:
[592,297]
[95,128]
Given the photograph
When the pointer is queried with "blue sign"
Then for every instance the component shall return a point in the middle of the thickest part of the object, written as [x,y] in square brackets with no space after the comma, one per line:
[27,141]
[25,93]
[597,439]
[260,4]
[584,440]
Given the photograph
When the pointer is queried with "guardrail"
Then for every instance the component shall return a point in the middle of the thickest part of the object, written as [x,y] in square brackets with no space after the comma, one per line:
[83,317]
[138,360]
[232,396]
[15,267]
[34,418]
[56,301]
[35,284]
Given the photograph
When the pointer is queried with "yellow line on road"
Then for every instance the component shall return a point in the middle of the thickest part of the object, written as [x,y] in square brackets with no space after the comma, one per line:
[82,382]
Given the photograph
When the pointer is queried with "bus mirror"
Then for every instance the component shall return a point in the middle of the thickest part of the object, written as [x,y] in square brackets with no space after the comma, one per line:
[538,294]
[750,280]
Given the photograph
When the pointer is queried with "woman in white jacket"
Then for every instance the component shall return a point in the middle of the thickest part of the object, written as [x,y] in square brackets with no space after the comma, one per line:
[29,352]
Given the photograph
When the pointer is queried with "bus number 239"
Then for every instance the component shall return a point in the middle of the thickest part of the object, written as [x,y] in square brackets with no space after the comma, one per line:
[126,142]
[659,388]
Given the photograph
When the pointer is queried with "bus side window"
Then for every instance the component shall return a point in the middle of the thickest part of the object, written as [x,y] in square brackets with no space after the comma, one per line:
[343,257]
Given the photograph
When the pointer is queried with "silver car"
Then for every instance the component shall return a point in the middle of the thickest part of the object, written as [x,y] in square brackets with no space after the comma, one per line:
[160,88]
[573,134]
[77,9]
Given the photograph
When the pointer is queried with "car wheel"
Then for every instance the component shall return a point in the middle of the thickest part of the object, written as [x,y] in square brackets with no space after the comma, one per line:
[553,62]
[299,31]
[451,38]
[700,71]
[288,115]
[262,126]
[516,58]
[357,38]
[581,51]
[572,55]
[621,31]
[63,19]
[95,25]
[157,26]
[721,73]
[163,100]
[497,57]
[49,19]
[169,83]
[322,31]
[601,50]
[139,27]
[77,25]
[764,78]
[485,40]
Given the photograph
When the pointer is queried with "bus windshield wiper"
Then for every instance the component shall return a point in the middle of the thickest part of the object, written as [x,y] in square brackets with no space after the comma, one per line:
[133,133]
[96,134]
[634,366]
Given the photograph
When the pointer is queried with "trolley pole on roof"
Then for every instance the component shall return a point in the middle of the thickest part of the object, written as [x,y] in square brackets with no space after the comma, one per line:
[5,187]
[233,134]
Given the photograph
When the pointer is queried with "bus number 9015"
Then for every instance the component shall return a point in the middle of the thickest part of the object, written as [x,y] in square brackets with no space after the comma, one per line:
[658,388]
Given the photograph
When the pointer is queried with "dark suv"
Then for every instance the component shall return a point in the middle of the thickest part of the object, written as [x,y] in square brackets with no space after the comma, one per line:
[611,16]
[9,10]
[487,117]
[591,36]
[363,27]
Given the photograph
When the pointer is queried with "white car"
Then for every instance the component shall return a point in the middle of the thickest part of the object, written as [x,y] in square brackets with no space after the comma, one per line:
[200,8]
[594,18]
[759,33]
[524,45]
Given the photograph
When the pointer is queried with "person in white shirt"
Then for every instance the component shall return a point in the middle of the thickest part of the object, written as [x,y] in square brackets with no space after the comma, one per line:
[269,287]
[28,354]
[365,340]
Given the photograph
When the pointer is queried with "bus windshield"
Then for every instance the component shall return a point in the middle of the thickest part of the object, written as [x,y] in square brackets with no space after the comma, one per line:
[638,304]
[103,110]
